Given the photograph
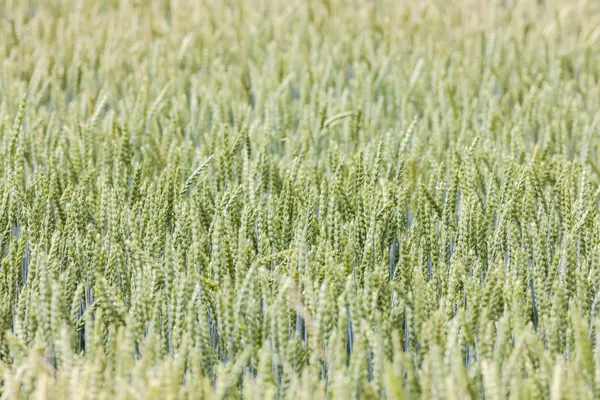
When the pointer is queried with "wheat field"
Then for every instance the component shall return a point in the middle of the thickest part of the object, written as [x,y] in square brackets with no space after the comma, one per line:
[300,199]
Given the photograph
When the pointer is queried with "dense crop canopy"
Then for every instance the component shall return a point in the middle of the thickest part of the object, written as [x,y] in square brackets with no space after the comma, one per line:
[299,199]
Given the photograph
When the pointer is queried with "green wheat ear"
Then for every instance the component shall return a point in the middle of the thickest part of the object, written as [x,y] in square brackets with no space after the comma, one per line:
[194,176]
